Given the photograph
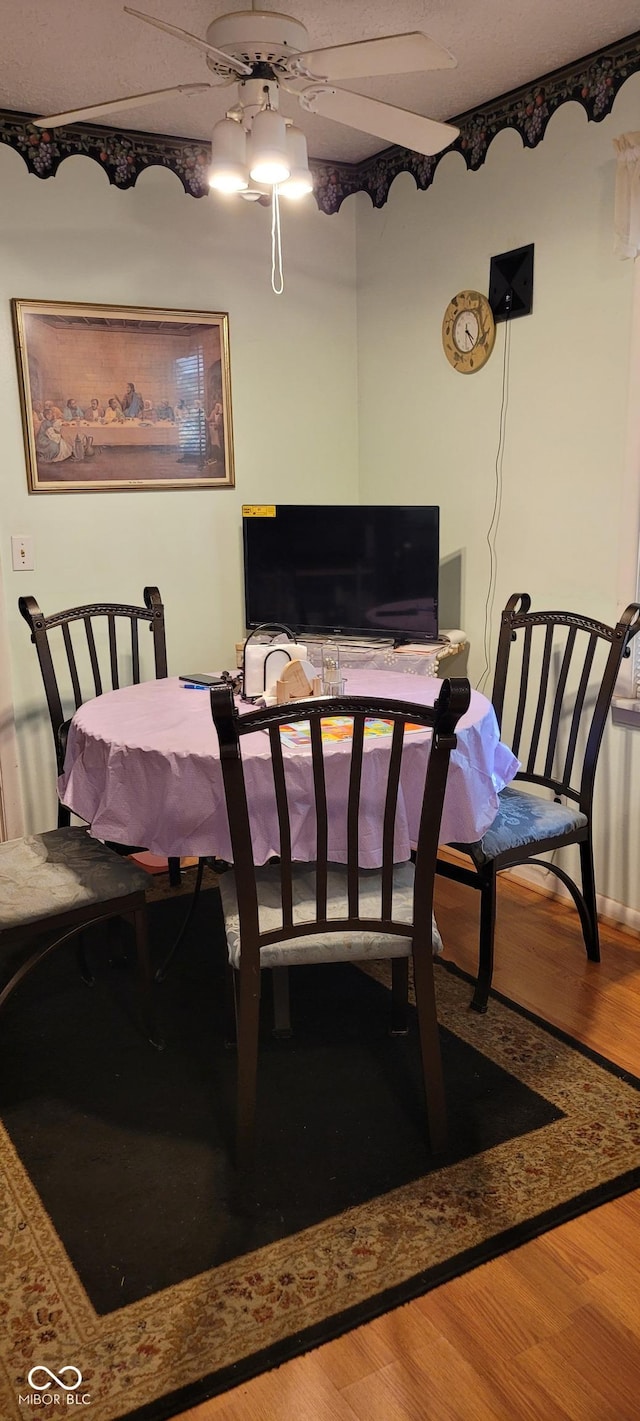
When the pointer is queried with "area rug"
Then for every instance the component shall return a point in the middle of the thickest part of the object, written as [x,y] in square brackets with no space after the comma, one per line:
[134,1289]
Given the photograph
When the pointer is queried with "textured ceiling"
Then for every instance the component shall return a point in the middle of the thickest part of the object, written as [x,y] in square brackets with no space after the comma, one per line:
[62,54]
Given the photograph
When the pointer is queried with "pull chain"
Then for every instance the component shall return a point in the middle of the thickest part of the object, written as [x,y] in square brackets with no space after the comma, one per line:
[277,274]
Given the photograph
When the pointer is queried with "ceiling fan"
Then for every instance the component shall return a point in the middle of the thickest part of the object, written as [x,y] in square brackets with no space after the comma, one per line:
[263,52]
[255,151]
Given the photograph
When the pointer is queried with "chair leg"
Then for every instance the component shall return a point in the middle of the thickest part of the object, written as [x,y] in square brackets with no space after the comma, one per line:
[430,1051]
[83,962]
[487,931]
[117,955]
[230,1007]
[281,1008]
[592,941]
[162,970]
[248,1026]
[175,876]
[399,996]
[145,980]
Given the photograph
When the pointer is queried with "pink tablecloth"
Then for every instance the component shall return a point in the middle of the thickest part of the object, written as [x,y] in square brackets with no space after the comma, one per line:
[142,767]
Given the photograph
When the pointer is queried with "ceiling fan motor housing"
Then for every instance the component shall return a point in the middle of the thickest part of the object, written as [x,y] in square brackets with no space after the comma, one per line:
[256,94]
[256,37]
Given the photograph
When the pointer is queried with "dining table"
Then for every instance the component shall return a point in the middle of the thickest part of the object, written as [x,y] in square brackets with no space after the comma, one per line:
[126,434]
[142,766]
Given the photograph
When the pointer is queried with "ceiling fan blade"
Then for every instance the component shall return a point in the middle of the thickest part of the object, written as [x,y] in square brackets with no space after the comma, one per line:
[228,59]
[132,101]
[409,130]
[392,54]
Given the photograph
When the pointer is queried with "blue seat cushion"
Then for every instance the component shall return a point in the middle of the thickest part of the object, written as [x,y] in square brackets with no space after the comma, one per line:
[522,819]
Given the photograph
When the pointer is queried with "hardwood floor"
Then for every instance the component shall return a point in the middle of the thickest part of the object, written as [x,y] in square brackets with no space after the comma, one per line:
[550,1332]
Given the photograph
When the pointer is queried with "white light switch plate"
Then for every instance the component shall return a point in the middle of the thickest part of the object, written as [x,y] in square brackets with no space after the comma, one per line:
[22,553]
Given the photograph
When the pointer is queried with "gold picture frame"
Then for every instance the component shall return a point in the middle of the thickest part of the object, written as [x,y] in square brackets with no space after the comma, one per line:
[123,397]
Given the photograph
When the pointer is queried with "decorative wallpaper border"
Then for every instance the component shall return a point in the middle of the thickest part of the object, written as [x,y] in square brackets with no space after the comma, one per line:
[592,82]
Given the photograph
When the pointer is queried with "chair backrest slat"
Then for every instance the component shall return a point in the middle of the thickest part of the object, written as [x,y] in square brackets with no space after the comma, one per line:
[73,670]
[284,823]
[322,820]
[558,702]
[113,652]
[554,681]
[578,708]
[353,814]
[522,697]
[389,822]
[93,655]
[135,653]
[542,698]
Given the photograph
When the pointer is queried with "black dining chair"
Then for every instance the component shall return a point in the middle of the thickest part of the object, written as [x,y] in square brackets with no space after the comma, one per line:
[58,885]
[86,650]
[287,913]
[555,677]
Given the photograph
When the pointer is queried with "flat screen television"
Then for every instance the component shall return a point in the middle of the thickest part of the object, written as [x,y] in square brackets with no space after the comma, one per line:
[341,570]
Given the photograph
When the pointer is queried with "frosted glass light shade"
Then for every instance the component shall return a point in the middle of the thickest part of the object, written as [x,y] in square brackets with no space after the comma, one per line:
[253,193]
[300,180]
[268,159]
[228,171]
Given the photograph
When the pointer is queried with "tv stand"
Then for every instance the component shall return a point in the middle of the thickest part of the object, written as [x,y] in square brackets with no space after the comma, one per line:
[343,639]
[446,657]
[405,641]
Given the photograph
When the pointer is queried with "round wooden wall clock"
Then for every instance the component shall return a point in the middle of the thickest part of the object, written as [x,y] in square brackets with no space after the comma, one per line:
[468,332]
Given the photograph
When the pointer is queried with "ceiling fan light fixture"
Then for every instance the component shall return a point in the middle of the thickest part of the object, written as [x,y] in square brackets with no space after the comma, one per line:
[268,155]
[253,192]
[228,172]
[300,180]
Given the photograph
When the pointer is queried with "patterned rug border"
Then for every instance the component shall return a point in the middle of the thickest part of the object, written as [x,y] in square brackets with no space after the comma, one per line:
[299,1343]
[621,1073]
[425,1280]
[220,1309]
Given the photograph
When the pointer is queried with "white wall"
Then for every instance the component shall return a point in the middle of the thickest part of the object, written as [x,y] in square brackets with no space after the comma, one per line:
[428,434]
[312,373]
[293,382]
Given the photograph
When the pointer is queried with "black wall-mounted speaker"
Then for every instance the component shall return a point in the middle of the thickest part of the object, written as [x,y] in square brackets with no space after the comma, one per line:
[511,284]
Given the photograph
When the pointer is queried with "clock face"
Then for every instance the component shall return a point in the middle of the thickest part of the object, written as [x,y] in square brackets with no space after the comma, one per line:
[468,332]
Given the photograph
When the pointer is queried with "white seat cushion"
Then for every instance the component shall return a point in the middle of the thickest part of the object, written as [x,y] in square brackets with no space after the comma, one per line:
[331,946]
[59,871]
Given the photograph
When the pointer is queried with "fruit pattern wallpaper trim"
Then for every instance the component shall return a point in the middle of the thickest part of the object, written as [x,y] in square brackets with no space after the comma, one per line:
[592,82]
